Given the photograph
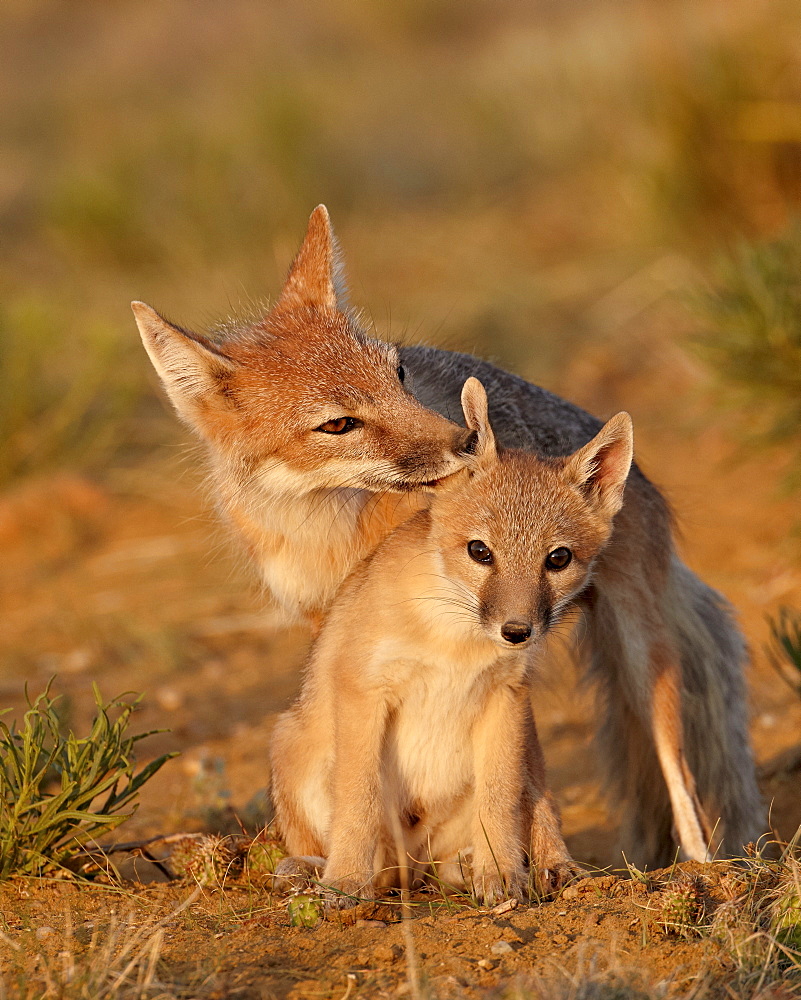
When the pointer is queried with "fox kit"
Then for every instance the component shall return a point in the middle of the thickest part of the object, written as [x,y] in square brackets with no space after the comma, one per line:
[322,439]
[414,722]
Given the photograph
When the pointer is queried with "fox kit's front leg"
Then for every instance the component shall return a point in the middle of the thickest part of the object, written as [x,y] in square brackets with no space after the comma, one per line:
[499,869]
[549,859]
[360,721]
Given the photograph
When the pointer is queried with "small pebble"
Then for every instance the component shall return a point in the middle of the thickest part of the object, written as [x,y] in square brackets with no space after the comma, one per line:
[43,932]
[486,964]
[386,953]
[501,948]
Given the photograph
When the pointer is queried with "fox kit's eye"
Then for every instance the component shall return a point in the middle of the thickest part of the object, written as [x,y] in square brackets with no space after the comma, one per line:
[479,551]
[401,373]
[559,558]
[340,426]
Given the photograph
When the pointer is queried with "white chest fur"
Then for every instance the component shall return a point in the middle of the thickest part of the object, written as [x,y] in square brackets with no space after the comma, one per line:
[429,750]
[303,539]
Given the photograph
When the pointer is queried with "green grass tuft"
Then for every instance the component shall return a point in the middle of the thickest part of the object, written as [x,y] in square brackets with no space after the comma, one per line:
[59,791]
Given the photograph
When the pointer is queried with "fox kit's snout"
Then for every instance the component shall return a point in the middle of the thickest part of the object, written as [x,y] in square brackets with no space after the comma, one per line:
[516,535]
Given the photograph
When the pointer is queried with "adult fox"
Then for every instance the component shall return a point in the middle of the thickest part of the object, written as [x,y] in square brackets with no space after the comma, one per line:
[322,439]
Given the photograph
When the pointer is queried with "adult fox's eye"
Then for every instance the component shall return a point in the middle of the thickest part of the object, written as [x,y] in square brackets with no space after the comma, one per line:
[401,373]
[479,551]
[559,558]
[340,426]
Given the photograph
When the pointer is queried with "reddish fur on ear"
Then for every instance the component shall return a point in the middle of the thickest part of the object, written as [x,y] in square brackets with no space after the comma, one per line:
[316,277]
[602,466]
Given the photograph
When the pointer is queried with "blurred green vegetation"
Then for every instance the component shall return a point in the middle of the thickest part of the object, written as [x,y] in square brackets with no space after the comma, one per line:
[785,649]
[753,337]
[493,169]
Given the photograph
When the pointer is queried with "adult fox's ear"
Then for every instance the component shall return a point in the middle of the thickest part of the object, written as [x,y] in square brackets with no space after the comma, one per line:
[317,275]
[195,373]
[474,404]
[601,467]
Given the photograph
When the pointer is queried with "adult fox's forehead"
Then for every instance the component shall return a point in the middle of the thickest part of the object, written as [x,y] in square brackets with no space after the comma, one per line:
[348,359]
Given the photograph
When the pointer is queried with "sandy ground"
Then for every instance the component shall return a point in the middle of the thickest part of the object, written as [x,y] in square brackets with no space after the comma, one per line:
[130,583]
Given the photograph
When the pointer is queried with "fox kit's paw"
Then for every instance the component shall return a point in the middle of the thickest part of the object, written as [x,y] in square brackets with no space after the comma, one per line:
[492,888]
[342,893]
[549,879]
[298,873]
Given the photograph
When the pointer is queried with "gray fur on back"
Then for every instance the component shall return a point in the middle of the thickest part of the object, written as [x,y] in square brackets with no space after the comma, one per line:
[522,414]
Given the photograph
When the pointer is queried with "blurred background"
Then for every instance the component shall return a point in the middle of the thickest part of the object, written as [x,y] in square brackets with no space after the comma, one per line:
[600,196]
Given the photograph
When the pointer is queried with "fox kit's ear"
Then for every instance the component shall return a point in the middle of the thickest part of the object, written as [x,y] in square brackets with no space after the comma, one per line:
[193,370]
[600,468]
[476,416]
[317,275]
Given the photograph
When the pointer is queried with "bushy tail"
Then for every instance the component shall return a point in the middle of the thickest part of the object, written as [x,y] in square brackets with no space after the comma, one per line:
[624,615]
[717,744]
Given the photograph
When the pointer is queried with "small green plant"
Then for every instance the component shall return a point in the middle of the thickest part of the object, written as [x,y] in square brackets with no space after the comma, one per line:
[206,859]
[682,910]
[58,792]
[263,855]
[759,921]
[786,916]
[305,910]
[785,650]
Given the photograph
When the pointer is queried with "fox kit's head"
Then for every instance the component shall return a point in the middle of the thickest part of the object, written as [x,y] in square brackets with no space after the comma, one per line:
[517,535]
[303,399]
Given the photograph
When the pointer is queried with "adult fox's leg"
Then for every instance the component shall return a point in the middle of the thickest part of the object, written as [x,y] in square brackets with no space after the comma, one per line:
[668,661]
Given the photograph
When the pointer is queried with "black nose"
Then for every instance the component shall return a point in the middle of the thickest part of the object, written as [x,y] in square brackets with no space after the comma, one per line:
[515,631]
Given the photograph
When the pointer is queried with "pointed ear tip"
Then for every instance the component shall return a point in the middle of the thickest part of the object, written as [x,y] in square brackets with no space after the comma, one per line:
[144,314]
[320,217]
[622,422]
[472,385]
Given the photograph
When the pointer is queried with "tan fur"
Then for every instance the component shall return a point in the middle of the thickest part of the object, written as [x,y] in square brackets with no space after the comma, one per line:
[415,711]
[307,504]
[663,649]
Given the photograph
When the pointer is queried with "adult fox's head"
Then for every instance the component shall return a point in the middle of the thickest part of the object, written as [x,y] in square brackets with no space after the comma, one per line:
[517,535]
[303,399]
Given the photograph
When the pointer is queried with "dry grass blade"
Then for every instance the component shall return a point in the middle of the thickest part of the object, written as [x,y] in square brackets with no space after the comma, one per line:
[121,963]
